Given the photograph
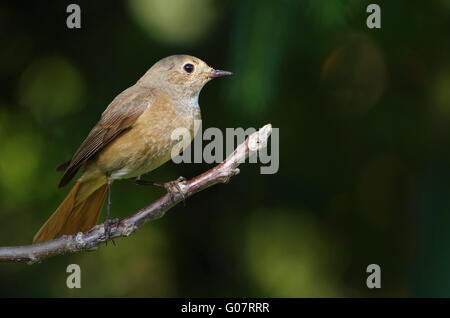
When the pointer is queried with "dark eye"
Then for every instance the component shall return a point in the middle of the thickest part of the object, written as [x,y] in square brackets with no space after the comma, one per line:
[188,67]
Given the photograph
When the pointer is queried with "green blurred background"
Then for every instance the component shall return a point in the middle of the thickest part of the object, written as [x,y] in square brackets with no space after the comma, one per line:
[364,119]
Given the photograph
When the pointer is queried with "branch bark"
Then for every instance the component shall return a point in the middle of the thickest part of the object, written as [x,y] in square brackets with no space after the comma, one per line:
[91,239]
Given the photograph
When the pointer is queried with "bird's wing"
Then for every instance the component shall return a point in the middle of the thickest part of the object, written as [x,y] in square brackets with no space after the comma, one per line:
[120,115]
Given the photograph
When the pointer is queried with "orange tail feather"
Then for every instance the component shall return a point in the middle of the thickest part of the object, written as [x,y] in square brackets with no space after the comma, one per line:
[71,216]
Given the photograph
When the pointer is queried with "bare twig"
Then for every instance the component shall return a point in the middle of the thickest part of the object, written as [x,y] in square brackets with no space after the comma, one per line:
[91,239]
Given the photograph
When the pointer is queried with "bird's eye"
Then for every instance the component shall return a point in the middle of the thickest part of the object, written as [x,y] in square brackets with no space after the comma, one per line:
[188,67]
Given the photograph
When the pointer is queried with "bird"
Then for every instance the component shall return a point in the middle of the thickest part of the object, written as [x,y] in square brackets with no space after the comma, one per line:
[131,138]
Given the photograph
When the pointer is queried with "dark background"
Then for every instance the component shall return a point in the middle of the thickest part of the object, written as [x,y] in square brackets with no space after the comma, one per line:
[364,136]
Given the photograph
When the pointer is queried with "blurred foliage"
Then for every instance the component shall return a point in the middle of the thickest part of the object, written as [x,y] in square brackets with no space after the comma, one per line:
[364,136]
[175,22]
[51,75]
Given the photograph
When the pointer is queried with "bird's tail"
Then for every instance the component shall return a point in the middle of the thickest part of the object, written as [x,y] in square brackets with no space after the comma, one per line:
[77,213]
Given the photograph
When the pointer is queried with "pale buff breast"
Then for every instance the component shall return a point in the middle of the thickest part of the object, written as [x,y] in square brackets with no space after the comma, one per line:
[148,144]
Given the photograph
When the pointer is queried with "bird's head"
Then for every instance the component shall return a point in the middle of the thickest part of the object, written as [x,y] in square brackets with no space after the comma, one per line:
[180,74]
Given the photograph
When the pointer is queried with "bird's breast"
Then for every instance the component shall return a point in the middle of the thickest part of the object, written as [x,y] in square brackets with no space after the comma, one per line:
[148,143]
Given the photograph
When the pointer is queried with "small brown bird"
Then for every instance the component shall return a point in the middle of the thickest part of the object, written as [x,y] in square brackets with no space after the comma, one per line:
[132,137]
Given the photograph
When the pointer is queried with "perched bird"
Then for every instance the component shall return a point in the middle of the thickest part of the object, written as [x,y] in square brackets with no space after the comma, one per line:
[132,137]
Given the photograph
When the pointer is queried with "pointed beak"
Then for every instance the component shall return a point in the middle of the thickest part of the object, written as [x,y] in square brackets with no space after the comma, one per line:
[218,73]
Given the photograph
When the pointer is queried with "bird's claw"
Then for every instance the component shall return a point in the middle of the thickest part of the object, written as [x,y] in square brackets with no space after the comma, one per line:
[170,186]
[107,225]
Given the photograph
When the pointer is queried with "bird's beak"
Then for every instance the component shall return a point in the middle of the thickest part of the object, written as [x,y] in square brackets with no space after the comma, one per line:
[218,73]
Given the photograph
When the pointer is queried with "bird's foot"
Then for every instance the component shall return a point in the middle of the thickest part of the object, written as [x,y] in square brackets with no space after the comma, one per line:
[108,223]
[170,186]
[176,185]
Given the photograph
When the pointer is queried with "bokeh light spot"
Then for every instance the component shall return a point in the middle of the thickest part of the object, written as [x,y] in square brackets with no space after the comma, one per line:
[19,162]
[175,21]
[440,94]
[288,256]
[50,88]
[354,75]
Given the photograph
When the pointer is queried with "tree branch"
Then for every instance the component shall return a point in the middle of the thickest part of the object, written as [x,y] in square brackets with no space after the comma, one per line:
[91,239]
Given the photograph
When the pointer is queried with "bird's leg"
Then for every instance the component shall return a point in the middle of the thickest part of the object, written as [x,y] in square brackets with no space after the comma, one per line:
[108,213]
[169,186]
